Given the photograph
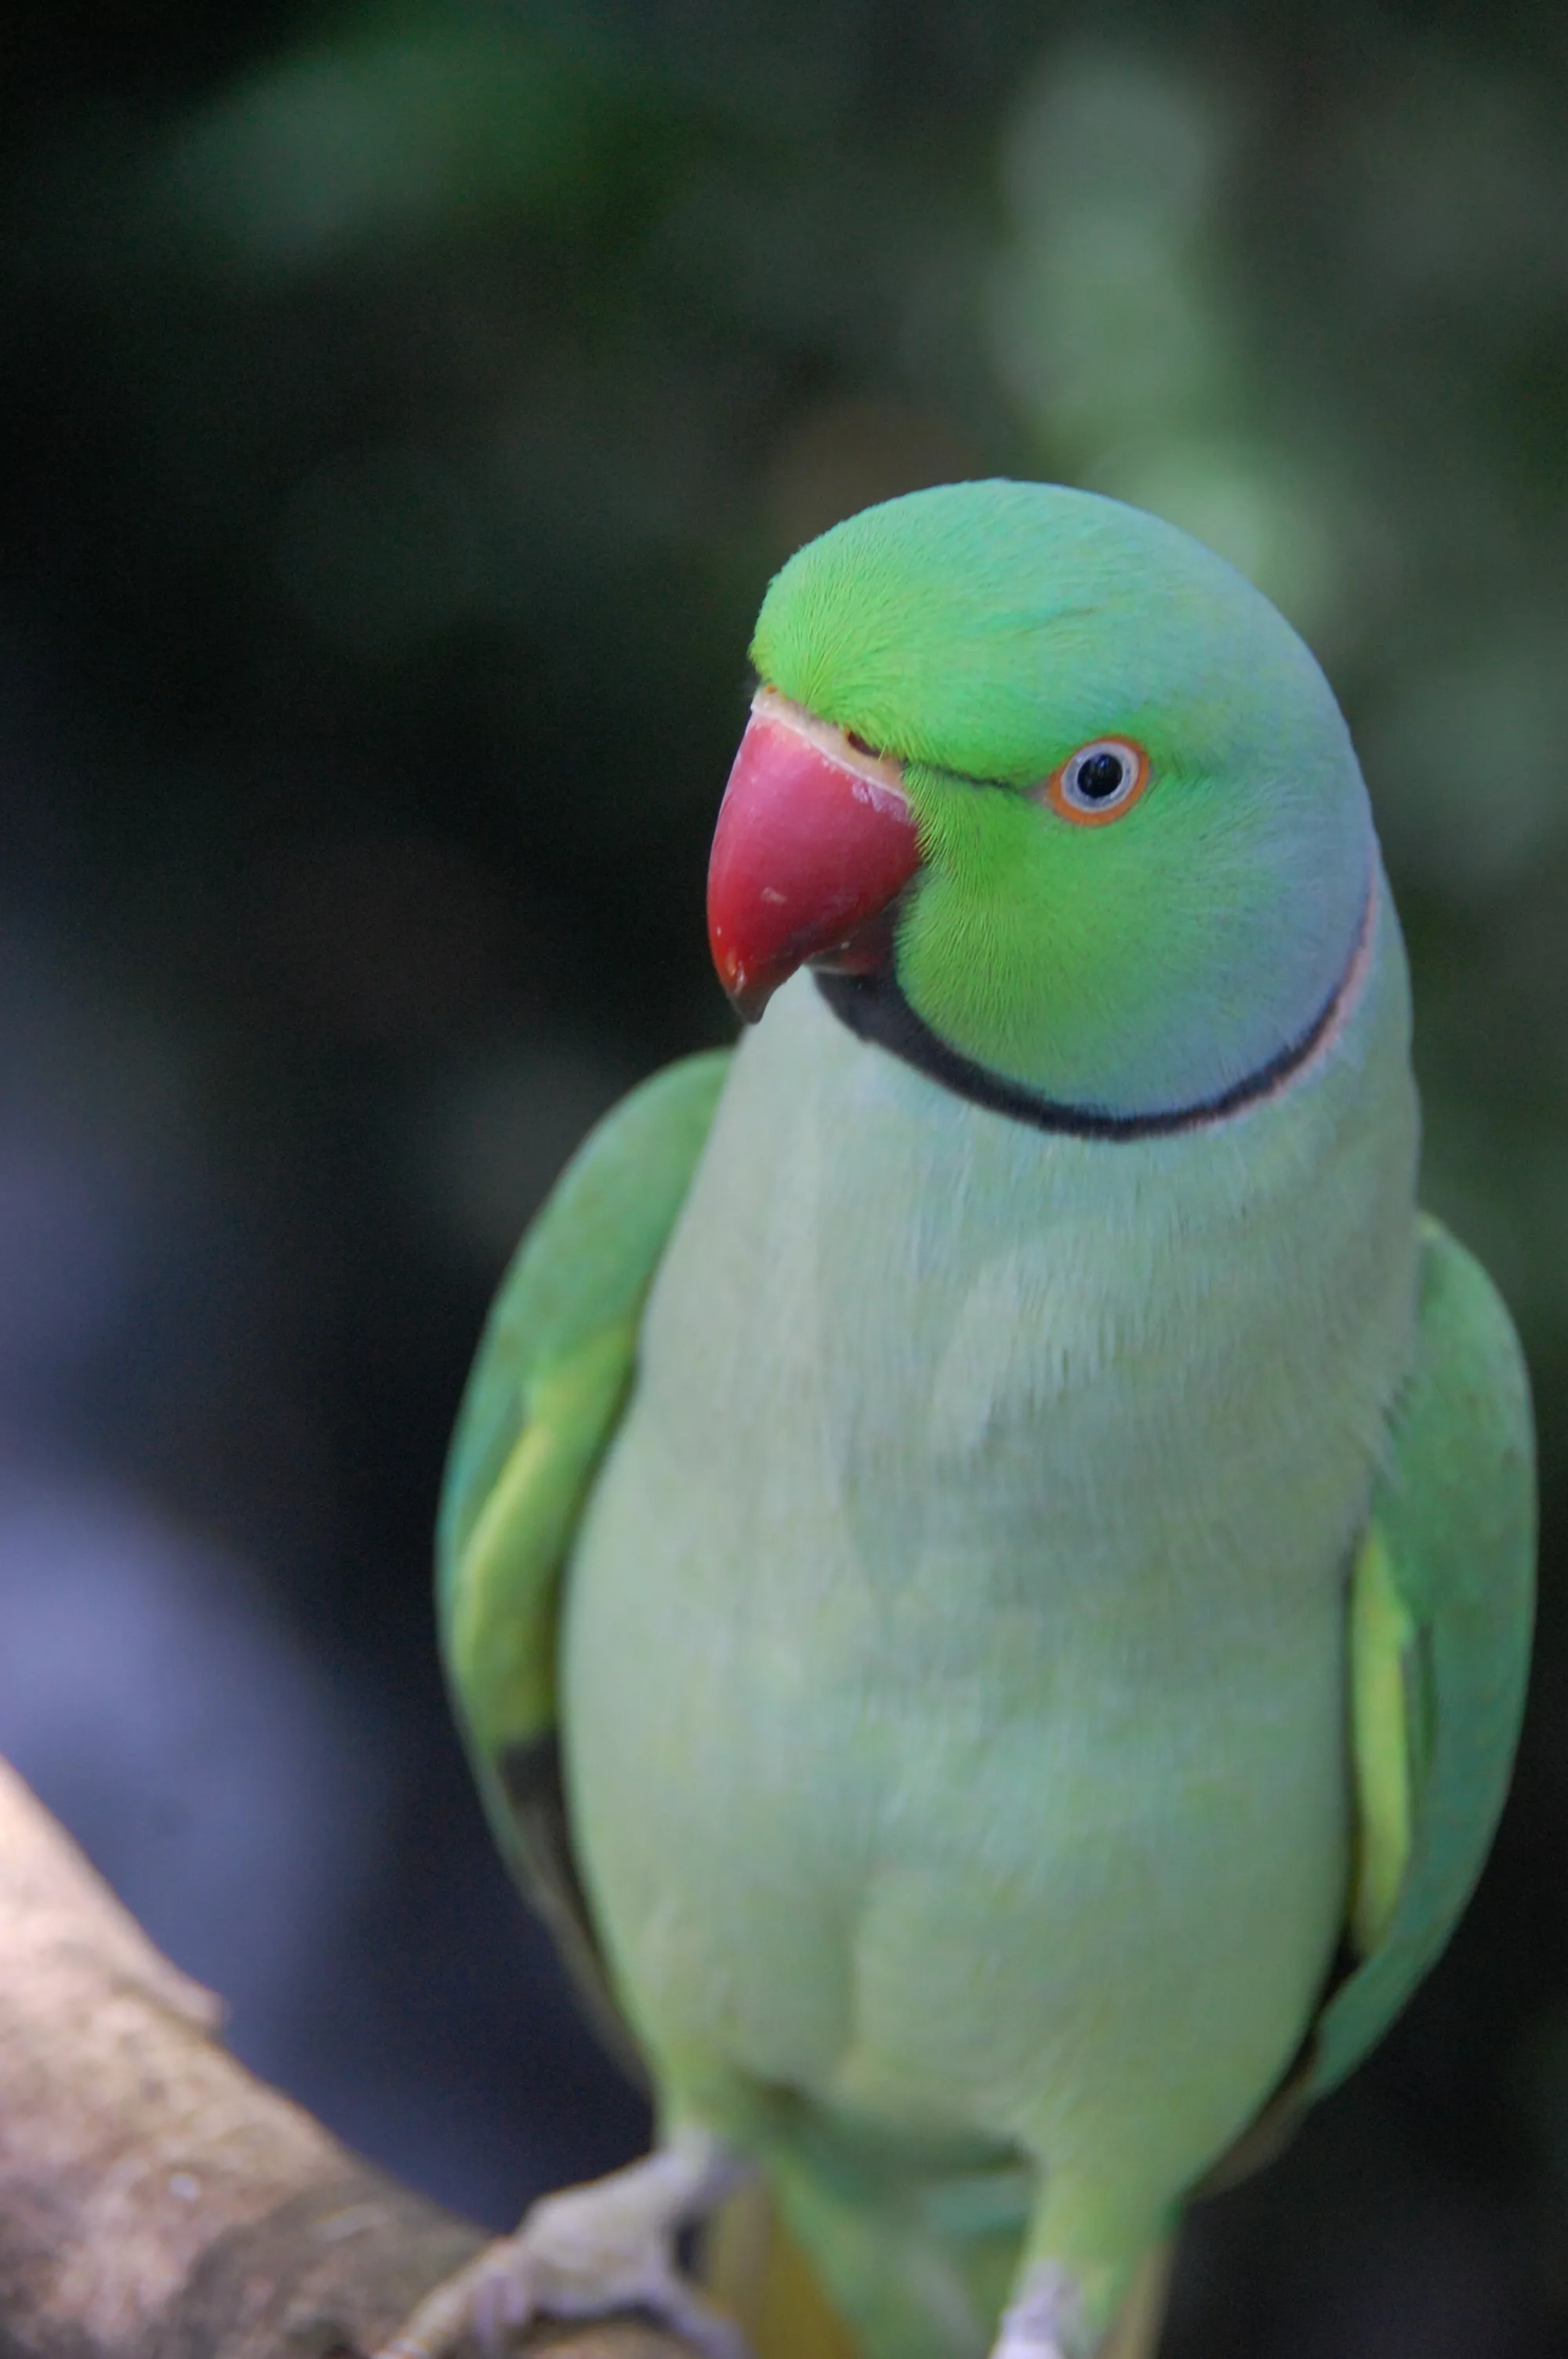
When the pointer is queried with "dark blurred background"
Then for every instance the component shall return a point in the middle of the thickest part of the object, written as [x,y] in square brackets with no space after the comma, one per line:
[403,407]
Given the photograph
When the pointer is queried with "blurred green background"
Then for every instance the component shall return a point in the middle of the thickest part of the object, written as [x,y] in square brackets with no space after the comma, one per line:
[403,410]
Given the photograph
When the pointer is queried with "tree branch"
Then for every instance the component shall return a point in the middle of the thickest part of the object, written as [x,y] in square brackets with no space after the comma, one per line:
[157,2201]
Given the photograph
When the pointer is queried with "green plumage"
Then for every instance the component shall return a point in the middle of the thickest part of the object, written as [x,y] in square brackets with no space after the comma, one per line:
[1454,1515]
[547,1389]
[1013,1596]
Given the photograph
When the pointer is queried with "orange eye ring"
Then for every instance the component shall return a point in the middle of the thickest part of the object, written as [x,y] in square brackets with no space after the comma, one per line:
[1087,790]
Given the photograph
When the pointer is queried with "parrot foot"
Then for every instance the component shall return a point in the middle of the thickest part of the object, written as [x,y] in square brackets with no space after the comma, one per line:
[1045,2321]
[587,2252]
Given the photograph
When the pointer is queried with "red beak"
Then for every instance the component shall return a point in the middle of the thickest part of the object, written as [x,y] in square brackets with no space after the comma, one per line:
[814,844]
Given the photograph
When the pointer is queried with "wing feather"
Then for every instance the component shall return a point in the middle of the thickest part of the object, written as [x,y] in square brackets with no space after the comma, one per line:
[1440,1616]
[553,1366]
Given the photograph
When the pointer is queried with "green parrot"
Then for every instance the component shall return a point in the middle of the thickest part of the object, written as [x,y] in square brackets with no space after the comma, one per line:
[985,1564]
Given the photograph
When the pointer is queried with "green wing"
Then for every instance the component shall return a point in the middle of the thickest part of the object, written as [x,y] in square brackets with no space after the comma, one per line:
[552,1371]
[1440,1612]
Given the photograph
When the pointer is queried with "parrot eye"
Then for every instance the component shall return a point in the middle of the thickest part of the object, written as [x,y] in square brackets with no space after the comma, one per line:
[1099,782]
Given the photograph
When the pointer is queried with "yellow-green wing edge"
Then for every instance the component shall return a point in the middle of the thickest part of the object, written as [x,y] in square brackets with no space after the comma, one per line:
[1442,1610]
[553,1366]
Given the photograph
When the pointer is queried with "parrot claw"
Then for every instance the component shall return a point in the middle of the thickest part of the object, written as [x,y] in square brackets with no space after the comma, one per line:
[1046,2320]
[587,2253]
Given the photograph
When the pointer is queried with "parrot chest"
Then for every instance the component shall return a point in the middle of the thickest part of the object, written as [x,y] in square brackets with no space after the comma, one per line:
[956,1626]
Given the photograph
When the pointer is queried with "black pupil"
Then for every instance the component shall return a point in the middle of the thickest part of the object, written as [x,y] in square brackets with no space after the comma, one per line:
[1100,776]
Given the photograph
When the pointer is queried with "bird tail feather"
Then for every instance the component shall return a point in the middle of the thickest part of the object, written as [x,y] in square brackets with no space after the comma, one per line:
[915,2290]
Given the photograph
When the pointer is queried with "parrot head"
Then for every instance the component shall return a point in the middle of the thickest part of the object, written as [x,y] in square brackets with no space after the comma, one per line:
[1051,798]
